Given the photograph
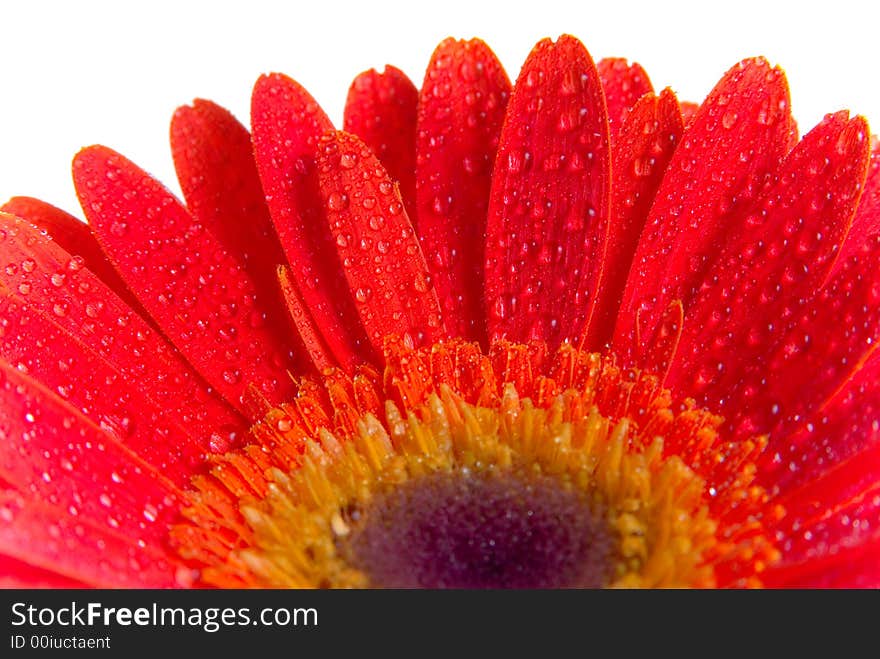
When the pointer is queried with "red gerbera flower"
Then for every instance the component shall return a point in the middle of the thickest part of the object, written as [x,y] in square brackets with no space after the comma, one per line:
[566,333]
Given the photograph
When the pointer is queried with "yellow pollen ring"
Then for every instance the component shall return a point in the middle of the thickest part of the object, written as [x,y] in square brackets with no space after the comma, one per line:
[653,505]
[678,503]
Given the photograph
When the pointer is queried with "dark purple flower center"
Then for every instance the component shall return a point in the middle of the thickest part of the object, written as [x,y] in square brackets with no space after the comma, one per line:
[466,530]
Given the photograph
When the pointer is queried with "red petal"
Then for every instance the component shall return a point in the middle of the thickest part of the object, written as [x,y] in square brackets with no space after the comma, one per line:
[46,537]
[33,342]
[287,123]
[832,521]
[381,109]
[737,139]
[689,112]
[194,290]
[836,431]
[552,180]
[830,340]
[461,110]
[858,567]
[772,264]
[214,159]
[55,454]
[640,155]
[18,574]
[661,350]
[624,84]
[74,237]
[866,222]
[58,286]
[383,264]
[303,322]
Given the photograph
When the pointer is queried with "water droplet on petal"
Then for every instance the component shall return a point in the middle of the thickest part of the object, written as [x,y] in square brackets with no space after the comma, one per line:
[729,119]
[337,201]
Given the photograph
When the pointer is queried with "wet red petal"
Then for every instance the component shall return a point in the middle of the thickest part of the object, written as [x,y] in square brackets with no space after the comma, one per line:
[858,567]
[383,264]
[58,286]
[846,424]
[36,345]
[866,222]
[830,340]
[624,84]
[552,179]
[57,455]
[303,322]
[735,142]
[47,537]
[832,522]
[193,288]
[214,159]
[215,164]
[689,111]
[461,109]
[287,123]
[766,275]
[640,154]
[661,350]
[74,236]
[381,109]
[18,574]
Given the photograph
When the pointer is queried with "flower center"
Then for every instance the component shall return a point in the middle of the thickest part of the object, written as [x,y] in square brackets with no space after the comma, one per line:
[484,530]
[458,469]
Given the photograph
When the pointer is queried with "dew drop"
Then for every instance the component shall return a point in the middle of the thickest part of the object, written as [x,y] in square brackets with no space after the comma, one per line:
[337,201]
[93,309]
[441,204]
[348,160]
[729,119]
[515,162]
[642,166]
[567,122]
[499,308]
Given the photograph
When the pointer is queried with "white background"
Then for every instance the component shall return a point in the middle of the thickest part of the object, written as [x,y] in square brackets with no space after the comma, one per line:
[78,73]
